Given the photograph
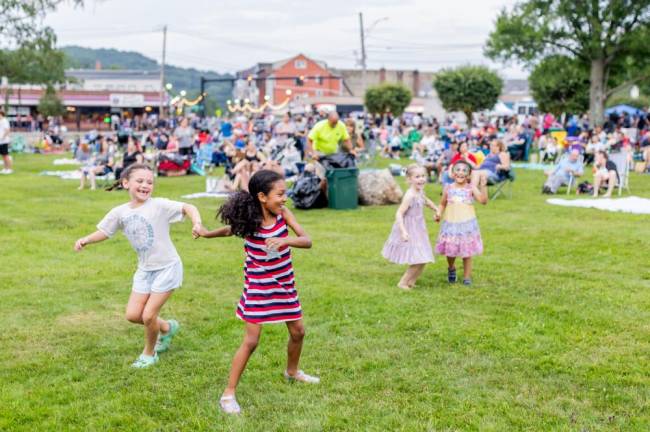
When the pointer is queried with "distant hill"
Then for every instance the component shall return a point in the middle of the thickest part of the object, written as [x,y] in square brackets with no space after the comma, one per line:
[182,78]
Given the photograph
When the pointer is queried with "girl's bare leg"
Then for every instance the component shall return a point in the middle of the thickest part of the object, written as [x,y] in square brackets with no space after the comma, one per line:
[406,277]
[246,349]
[415,274]
[450,262]
[467,268]
[152,323]
[294,347]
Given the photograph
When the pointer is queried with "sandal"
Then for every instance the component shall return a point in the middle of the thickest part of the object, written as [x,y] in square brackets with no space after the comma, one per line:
[229,405]
[302,377]
[451,275]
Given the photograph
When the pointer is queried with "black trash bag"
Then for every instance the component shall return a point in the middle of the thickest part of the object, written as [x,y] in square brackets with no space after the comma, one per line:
[306,192]
[338,160]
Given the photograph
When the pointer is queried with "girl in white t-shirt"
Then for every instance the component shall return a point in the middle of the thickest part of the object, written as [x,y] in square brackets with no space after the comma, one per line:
[145,222]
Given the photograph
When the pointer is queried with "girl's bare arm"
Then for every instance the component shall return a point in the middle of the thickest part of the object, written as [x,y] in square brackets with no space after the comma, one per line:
[302,239]
[95,237]
[224,231]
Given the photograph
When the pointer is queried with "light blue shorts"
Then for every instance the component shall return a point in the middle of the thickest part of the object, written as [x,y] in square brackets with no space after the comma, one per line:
[158,281]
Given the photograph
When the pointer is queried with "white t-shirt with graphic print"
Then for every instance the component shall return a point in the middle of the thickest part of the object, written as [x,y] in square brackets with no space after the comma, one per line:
[147,228]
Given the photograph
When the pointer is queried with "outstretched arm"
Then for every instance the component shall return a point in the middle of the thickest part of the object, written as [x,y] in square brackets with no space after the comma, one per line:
[224,231]
[95,237]
[193,213]
[430,204]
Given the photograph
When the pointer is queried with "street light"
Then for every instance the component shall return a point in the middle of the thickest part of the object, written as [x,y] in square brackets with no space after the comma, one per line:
[375,23]
[169,86]
[183,93]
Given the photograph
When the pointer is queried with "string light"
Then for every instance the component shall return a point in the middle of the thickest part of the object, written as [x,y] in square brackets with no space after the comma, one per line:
[247,107]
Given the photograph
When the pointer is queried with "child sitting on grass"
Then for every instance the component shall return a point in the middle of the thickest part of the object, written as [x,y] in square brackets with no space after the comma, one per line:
[145,222]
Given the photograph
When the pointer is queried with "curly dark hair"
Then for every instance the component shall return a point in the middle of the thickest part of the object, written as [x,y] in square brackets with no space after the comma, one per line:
[243,210]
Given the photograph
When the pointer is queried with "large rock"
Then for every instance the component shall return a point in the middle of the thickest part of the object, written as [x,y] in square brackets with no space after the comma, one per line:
[378,187]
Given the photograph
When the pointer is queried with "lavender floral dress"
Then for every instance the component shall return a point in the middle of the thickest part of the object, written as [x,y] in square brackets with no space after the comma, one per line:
[417,250]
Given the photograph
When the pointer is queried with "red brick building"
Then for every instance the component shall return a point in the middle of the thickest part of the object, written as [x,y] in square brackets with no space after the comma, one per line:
[297,78]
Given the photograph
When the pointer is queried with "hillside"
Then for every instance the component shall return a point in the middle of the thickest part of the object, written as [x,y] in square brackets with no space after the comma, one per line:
[182,78]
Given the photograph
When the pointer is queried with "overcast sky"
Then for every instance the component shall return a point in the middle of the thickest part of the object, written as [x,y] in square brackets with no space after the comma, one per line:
[229,35]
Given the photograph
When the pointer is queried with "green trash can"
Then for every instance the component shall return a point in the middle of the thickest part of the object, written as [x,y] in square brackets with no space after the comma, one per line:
[342,188]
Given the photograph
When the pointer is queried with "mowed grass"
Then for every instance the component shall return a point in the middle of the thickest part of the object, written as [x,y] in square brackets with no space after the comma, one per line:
[554,334]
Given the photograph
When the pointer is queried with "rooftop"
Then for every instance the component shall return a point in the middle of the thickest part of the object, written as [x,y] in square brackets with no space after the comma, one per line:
[85,74]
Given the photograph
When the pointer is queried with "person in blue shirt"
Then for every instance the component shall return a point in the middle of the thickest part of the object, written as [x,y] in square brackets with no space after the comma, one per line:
[226,129]
[570,166]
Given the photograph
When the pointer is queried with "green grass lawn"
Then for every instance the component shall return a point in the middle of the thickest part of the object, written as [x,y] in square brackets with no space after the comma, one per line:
[554,334]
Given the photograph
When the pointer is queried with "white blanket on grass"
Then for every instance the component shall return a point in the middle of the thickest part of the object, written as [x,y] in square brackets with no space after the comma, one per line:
[66,162]
[65,175]
[631,204]
[206,195]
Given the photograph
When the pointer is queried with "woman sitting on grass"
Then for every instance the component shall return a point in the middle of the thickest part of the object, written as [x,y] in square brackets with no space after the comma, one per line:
[145,222]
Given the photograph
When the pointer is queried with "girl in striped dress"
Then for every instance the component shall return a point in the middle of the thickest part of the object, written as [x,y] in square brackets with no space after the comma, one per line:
[261,219]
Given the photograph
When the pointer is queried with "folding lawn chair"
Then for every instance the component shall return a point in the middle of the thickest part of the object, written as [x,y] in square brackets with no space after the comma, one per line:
[623,162]
[504,187]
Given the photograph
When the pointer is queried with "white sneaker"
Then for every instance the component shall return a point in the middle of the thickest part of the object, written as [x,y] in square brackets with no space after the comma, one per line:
[6,171]
[300,376]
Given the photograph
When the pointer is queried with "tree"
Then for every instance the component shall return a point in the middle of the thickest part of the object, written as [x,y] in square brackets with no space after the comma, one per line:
[34,62]
[21,20]
[50,104]
[393,98]
[603,35]
[560,84]
[468,89]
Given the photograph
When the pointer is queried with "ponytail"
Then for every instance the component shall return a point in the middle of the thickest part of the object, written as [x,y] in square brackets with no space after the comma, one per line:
[243,210]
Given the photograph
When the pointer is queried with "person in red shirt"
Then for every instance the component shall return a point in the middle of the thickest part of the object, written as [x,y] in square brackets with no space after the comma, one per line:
[464,154]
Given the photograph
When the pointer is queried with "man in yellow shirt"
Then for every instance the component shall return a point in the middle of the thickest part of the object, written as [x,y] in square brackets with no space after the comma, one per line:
[325,136]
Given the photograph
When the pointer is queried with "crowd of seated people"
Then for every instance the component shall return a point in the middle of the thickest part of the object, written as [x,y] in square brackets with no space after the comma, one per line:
[245,143]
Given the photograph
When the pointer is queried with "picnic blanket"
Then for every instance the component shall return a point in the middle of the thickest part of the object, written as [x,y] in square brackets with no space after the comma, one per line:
[631,204]
[65,175]
[68,175]
[65,161]
[206,195]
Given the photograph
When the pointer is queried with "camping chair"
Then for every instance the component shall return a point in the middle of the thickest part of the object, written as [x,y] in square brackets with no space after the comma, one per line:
[504,187]
[203,160]
[18,144]
[623,162]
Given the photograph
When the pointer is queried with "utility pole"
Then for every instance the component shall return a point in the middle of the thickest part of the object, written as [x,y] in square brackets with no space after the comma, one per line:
[363,56]
[161,106]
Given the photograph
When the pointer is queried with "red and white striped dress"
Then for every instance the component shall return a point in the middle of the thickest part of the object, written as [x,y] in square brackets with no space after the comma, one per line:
[269,293]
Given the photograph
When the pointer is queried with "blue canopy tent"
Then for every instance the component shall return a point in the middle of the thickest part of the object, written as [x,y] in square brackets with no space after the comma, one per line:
[620,109]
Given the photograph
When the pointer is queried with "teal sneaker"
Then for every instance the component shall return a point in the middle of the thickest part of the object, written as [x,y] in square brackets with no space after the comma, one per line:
[163,342]
[144,361]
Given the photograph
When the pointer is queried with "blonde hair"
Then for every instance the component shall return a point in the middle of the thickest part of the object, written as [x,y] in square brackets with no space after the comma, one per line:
[500,144]
[411,169]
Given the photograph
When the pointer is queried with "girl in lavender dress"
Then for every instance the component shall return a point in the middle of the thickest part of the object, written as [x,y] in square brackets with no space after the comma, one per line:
[459,233]
[408,242]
